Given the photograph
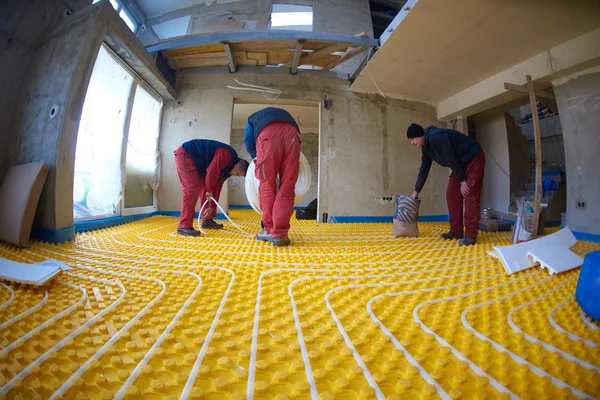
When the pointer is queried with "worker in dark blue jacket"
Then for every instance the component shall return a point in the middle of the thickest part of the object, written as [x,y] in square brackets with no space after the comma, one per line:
[203,166]
[465,157]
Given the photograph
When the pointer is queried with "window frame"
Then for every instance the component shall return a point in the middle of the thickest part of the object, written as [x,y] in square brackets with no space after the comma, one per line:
[136,81]
[123,8]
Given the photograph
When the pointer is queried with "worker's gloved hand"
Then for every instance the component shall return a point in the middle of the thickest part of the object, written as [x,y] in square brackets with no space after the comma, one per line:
[414,195]
[464,188]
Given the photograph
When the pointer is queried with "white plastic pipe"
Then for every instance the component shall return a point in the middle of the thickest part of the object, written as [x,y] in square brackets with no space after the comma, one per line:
[302,184]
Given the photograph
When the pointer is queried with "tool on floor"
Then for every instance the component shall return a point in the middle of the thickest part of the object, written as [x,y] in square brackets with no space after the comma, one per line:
[31,274]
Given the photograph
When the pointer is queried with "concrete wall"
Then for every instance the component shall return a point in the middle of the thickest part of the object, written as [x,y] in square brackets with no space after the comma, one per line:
[490,128]
[24,26]
[364,151]
[57,80]
[578,104]
[518,154]
[344,16]
[310,149]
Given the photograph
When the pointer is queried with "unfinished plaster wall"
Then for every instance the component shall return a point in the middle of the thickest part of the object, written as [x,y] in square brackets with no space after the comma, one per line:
[310,149]
[578,99]
[491,133]
[364,151]
[518,154]
[49,107]
[24,26]
[247,15]
[344,16]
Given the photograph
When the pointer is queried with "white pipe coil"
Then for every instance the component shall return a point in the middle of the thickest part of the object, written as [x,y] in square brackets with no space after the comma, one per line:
[302,184]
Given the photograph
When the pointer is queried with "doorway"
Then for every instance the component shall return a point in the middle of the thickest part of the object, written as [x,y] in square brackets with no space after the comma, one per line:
[307,116]
[116,158]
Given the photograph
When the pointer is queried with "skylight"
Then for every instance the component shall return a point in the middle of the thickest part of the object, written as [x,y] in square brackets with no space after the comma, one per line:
[292,17]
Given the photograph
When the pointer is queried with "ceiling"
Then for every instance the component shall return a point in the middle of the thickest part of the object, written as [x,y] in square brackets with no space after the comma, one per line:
[306,117]
[154,8]
[440,49]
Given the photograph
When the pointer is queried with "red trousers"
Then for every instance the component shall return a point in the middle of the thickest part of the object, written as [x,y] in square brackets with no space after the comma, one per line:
[474,171]
[192,187]
[277,153]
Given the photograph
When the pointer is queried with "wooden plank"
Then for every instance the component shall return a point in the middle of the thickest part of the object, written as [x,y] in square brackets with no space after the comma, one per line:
[315,55]
[285,44]
[230,60]
[538,157]
[241,58]
[260,57]
[202,60]
[524,89]
[285,57]
[211,48]
[348,56]
[296,58]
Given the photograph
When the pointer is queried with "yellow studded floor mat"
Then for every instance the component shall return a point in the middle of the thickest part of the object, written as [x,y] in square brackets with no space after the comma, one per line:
[346,312]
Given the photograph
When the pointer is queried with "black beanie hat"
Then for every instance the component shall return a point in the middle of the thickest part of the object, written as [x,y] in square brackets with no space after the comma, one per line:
[415,131]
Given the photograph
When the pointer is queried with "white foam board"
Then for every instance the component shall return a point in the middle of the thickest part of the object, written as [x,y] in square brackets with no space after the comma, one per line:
[515,258]
[555,259]
[31,274]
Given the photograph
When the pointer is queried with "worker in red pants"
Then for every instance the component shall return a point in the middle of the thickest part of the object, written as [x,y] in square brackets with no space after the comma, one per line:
[203,166]
[273,140]
[466,159]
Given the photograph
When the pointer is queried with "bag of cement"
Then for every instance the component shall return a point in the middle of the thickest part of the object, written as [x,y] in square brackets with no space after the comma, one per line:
[405,219]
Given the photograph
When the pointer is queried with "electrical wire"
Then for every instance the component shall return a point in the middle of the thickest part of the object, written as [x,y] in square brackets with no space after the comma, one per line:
[375,83]
[551,62]
[497,163]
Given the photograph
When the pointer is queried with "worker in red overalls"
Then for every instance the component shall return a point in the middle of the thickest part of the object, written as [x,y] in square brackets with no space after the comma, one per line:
[465,157]
[273,140]
[203,166]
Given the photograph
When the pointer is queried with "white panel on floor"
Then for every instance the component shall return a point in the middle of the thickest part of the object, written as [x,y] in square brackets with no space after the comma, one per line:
[555,259]
[31,274]
[515,259]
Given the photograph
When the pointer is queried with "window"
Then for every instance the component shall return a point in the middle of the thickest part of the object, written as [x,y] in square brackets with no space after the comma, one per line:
[142,158]
[123,13]
[116,156]
[291,17]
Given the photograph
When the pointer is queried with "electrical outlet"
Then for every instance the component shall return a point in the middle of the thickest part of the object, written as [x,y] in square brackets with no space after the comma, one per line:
[581,205]
[384,199]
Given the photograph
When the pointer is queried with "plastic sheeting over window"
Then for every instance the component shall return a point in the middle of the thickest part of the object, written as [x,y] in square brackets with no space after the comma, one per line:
[143,159]
[97,182]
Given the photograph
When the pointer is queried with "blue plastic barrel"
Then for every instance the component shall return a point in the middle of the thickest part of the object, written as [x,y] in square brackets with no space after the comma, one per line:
[588,286]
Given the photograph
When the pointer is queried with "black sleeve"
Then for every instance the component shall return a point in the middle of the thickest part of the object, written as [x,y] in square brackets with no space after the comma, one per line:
[444,146]
[423,171]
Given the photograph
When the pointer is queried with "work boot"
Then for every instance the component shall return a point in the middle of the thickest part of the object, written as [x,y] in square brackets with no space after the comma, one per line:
[451,236]
[264,236]
[280,241]
[188,232]
[210,224]
[467,241]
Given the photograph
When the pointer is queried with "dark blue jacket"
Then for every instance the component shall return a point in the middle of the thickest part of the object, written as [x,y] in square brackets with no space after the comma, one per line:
[448,148]
[203,151]
[258,121]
